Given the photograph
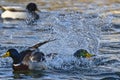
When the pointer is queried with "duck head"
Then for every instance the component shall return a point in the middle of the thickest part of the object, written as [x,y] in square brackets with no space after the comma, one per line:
[83,53]
[13,53]
[32,7]
[33,16]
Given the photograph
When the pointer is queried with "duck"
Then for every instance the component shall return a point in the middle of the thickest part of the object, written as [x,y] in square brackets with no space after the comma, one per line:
[16,12]
[82,53]
[28,59]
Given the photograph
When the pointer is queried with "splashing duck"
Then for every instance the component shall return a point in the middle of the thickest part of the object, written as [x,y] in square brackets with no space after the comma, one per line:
[16,12]
[29,59]
[83,53]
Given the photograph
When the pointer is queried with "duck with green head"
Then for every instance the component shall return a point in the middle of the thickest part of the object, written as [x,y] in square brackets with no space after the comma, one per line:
[29,59]
[83,53]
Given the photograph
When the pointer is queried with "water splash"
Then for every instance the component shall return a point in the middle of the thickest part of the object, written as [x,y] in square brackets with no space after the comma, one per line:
[75,31]
[72,30]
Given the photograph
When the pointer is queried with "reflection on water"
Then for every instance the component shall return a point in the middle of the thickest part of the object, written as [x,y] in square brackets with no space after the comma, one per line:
[27,74]
[90,24]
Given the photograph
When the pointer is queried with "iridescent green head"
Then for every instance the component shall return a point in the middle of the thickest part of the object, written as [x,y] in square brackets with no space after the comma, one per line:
[83,53]
[13,53]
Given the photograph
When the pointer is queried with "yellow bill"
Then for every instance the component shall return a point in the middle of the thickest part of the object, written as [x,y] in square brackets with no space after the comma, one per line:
[7,54]
[88,55]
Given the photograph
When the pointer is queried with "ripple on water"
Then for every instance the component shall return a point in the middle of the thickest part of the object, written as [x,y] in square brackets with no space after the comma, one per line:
[74,30]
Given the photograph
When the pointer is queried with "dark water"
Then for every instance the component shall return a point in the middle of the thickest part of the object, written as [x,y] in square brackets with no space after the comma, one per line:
[92,25]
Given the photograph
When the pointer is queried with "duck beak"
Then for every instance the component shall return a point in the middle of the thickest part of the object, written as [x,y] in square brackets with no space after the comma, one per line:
[89,55]
[7,54]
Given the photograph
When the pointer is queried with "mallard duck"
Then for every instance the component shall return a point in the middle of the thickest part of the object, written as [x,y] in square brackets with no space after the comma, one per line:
[29,59]
[16,12]
[82,53]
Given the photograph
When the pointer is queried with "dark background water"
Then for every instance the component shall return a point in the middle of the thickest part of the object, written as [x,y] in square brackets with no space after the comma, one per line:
[90,24]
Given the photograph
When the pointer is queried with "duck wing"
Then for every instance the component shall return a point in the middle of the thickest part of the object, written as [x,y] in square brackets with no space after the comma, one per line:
[31,55]
[37,57]
[36,46]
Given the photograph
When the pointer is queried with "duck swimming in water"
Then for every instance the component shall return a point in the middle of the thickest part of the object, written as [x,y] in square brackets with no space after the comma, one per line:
[29,59]
[16,12]
[83,53]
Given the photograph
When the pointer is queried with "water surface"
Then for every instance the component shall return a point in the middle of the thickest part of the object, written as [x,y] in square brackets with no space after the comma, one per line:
[91,25]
